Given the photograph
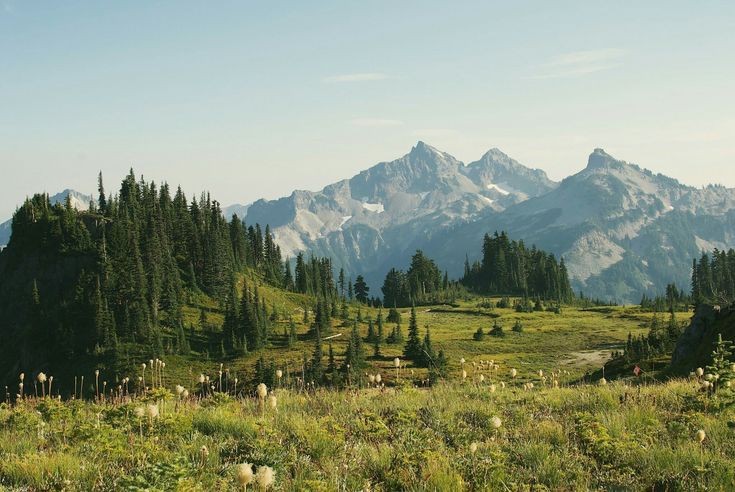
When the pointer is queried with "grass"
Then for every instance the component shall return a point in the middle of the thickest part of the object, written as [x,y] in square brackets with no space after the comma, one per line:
[405,437]
[580,438]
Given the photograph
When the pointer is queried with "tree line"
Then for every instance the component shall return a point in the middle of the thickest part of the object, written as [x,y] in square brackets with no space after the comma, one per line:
[507,267]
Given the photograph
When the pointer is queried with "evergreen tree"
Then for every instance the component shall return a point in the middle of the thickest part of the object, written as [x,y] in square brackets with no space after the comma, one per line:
[413,348]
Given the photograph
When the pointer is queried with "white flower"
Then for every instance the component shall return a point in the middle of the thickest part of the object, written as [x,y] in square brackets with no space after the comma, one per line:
[378,378]
[41,377]
[201,379]
[279,374]
[151,410]
[513,373]
[371,378]
[262,391]
[461,361]
[272,401]
[464,374]
[699,372]
[396,362]
[603,381]
[245,473]
[495,422]
[139,412]
[179,389]
[265,477]
[492,388]
[708,377]
[185,394]
[473,448]
[701,435]
[22,376]
[540,373]
[482,378]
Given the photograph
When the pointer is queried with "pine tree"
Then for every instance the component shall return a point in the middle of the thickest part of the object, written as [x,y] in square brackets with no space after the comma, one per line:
[412,349]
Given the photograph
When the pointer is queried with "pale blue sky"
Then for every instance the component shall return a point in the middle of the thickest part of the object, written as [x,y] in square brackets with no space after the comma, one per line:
[252,100]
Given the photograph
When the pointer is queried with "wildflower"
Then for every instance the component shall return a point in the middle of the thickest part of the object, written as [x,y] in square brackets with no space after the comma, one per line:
[262,391]
[502,384]
[279,375]
[139,412]
[396,362]
[41,377]
[179,390]
[513,373]
[708,377]
[185,394]
[473,448]
[482,378]
[701,435]
[492,388]
[22,376]
[461,361]
[272,401]
[699,372]
[265,477]
[151,410]
[495,422]
[371,378]
[245,474]
[540,373]
[603,382]
[464,374]
[201,379]
[378,378]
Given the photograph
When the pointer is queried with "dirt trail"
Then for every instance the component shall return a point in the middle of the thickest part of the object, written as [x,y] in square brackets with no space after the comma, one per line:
[588,357]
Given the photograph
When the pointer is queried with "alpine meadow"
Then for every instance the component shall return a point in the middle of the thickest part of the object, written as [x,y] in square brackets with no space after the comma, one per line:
[187,316]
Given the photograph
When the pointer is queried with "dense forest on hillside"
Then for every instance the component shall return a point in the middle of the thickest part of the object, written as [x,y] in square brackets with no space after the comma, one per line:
[507,267]
[89,285]
[422,283]
[713,278]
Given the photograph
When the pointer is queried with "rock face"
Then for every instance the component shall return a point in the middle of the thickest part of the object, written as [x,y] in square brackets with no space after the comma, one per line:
[372,221]
[622,230]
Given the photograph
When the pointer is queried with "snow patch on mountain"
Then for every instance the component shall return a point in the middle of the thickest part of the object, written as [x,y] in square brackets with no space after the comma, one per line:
[374,207]
[344,221]
[493,186]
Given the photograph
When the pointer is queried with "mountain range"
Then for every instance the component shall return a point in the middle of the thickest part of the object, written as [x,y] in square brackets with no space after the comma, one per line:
[622,230]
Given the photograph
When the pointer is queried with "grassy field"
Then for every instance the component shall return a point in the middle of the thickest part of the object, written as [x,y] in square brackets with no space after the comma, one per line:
[564,433]
[612,437]
[576,341]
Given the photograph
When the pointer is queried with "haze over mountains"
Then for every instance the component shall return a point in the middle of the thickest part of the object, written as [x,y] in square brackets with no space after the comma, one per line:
[622,230]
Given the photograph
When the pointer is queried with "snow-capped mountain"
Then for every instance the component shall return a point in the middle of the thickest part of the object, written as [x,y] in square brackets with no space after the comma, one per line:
[371,221]
[621,229]
[79,201]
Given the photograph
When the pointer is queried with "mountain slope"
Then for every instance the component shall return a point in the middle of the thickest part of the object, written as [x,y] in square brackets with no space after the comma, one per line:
[369,222]
[621,229]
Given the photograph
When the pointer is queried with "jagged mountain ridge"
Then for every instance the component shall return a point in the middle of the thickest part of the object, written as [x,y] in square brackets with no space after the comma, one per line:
[425,183]
[622,230]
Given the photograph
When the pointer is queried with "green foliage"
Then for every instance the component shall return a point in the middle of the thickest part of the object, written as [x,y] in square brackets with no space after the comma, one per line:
[507,267]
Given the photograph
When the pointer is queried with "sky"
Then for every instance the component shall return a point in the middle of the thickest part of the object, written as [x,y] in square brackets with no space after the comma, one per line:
[251,100]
